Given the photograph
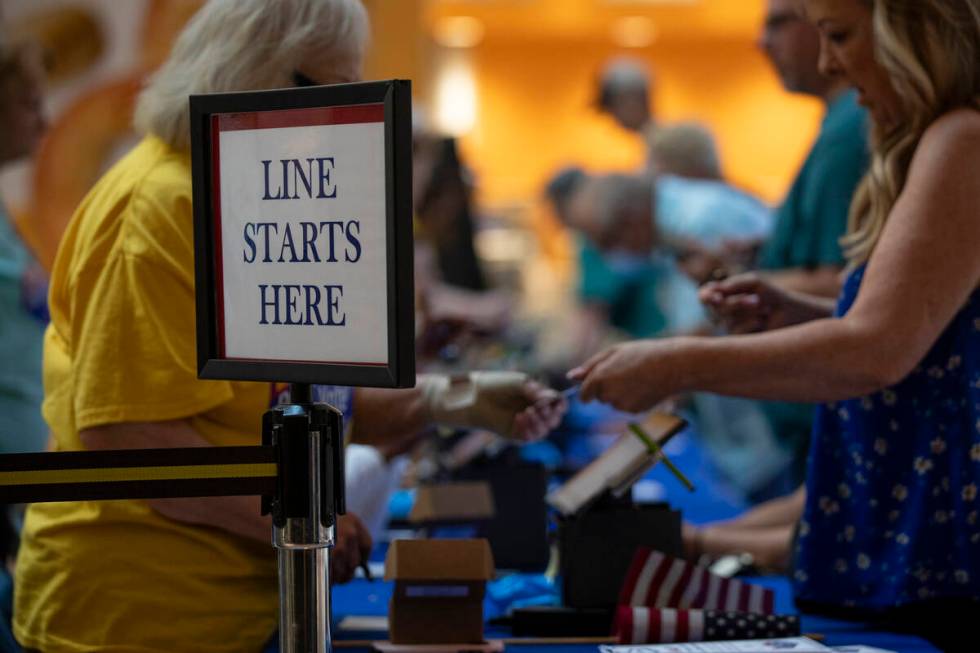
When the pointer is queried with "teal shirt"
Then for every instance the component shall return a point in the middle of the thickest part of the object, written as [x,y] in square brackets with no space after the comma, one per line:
[22,429]
[653,300]
[813,218]
[809,226]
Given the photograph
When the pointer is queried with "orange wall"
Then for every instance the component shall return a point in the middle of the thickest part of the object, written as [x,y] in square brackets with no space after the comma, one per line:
[535,114]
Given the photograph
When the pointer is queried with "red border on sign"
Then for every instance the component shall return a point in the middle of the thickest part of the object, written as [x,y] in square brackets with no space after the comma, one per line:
[278,119]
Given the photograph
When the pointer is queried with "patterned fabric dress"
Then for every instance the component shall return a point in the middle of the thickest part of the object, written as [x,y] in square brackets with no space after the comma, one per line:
[892,488]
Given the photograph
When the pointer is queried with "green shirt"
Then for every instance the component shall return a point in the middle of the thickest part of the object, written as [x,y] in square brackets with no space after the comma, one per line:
[22,429]
[649,300]
[814,216]
[809,226]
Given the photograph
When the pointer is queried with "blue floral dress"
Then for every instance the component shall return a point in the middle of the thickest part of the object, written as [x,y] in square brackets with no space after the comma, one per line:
[893,514]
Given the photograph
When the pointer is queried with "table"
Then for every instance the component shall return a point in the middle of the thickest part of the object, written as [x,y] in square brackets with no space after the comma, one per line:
[713,500]
[370,598]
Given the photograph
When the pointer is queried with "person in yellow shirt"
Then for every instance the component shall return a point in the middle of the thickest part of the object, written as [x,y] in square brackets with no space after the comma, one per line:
[195,575]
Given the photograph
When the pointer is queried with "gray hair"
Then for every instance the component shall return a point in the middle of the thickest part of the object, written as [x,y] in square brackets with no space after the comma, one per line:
[244,45]
[618,195]
[685,150]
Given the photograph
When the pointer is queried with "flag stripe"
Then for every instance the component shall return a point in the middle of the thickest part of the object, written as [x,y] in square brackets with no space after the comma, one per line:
[743,597]
[633,575]
[663,568]
[641,625]
[683,633]
[674,600]
[731,596]
[668,625]
[696,626]
[714,588]
[644,580]
[756,597]
[654,633]
[671,581]
[693,587]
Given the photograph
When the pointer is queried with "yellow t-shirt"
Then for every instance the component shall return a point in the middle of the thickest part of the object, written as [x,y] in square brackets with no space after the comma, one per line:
[115,575]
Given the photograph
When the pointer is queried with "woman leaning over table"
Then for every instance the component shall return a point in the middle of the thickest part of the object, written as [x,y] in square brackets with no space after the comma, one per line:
[890,528]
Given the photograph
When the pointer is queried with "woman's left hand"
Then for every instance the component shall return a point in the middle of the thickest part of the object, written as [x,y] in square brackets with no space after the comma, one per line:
[632,376]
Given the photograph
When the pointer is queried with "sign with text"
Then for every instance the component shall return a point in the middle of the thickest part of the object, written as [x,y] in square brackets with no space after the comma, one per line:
[303,233]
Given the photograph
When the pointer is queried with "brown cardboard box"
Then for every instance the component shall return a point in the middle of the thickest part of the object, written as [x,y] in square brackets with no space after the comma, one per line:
[457,501]
[439,589]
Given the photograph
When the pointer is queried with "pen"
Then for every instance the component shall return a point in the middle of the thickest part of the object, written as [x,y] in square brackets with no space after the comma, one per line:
[367,570]
[655,449]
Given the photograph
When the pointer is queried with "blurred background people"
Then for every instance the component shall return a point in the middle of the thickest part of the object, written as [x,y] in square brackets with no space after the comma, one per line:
[804,252]
[625,94]
[23,298]
[24,286]
[888,529]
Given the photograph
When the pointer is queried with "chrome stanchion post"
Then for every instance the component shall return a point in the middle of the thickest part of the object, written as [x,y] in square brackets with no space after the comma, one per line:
[308,438]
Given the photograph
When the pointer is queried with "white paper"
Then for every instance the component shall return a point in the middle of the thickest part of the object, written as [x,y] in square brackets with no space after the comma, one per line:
[788,644]
[357,175]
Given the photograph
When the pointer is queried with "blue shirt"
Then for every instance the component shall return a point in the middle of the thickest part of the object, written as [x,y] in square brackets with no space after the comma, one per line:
[656,298]
[893,513]
[708,212]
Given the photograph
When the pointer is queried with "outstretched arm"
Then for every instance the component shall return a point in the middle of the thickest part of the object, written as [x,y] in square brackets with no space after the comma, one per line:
[920,274]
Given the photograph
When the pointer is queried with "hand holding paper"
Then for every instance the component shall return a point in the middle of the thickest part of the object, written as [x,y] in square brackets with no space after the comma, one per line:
[507,403]
[632,376]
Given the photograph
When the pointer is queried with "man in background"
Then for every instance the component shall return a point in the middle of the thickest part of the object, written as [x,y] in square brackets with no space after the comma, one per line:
[23,299]
[804,253]
[624,93]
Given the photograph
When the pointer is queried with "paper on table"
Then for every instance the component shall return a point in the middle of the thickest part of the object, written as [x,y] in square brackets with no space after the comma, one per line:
[363,623]
[788,645]
[617,468]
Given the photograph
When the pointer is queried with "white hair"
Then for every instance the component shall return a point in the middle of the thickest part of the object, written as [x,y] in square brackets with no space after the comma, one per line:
[245,45]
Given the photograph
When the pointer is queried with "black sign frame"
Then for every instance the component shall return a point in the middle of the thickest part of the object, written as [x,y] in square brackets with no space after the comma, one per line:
[399,372]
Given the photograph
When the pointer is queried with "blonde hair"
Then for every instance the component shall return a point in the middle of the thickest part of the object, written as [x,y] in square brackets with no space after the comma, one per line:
[931,52]
[244,45]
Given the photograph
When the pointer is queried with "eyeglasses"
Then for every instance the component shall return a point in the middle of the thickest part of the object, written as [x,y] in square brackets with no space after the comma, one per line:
[301,81]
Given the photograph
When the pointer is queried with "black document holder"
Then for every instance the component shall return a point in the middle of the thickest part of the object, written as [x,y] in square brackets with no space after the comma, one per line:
[596,548]
[518,532]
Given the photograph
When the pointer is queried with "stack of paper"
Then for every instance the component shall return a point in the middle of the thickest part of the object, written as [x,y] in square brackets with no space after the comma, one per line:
[783,645]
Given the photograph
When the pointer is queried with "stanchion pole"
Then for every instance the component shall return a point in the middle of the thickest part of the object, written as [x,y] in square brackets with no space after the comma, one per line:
[309,438]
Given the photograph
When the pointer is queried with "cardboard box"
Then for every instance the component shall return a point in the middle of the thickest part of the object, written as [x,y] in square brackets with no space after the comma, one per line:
[439,590]
[452,502]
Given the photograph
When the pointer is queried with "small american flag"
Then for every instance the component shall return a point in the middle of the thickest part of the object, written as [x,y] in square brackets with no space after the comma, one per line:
[656,580]
[640,625]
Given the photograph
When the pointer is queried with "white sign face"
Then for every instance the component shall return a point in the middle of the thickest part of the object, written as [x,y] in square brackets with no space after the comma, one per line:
[302,224]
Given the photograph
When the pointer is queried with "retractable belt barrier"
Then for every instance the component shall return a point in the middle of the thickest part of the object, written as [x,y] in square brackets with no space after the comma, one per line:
[299,464]
[138,474]
[298,471]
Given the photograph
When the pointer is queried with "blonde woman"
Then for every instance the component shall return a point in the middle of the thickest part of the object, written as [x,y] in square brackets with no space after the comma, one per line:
[892,514]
